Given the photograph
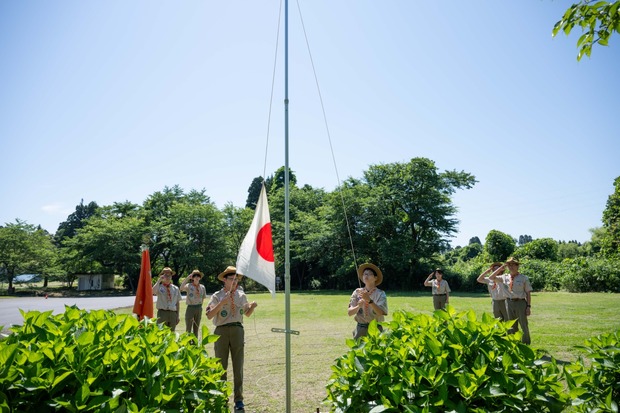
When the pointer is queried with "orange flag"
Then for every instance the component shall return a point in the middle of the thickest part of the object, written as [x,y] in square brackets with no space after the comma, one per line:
[143,306]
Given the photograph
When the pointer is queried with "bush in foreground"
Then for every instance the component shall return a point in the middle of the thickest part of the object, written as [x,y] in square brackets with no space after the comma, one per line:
[447,362]
[595,386]
[98,361]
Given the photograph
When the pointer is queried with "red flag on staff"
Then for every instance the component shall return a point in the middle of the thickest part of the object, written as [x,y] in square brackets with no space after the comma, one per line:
[255,259]
[143,306]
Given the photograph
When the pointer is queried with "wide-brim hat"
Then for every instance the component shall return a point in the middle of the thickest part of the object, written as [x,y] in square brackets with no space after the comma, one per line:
[196,273]
[167,270]
[361,268]
[229,270]
[512,260]
[496,264]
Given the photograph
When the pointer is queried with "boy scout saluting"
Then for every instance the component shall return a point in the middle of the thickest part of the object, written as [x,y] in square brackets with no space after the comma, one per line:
[498,294]
[226,308]
[519,302]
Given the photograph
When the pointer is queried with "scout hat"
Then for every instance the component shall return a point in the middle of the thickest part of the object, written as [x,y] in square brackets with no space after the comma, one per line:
[496,264]
[167,271]
[377,271]
[196,273]
[229,270]
[512,260]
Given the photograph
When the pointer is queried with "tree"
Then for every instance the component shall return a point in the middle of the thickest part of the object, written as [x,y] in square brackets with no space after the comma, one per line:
[539,249]
[499,245]
[278,180]
[75,220]
[254,192]
[610,245]
[24,247]
[409,211]
[524,239]
[598,21]
[474,240]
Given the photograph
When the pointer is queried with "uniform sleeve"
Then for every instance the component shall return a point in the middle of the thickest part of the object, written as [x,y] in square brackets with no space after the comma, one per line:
[448,287]
[354,299]
[382,302]
[213,301]
[528,286]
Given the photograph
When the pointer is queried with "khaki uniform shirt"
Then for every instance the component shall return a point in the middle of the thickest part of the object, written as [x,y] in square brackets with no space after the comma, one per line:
[195,296]
[495,289]
[517,287]
[366,314]
[233,308]
[168,297]
[440,288]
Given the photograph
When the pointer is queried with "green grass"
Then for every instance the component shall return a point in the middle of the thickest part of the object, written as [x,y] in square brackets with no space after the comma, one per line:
[559,321]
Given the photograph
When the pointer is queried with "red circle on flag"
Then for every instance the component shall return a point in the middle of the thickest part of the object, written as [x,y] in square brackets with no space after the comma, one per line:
[264,246]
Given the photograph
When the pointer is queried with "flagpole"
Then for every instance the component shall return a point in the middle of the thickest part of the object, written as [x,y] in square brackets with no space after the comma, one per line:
[287,265]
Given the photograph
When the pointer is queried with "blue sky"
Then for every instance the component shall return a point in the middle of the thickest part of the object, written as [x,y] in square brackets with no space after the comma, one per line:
[112,101]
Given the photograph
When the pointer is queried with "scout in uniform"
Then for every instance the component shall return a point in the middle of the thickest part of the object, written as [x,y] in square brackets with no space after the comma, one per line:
[227,308]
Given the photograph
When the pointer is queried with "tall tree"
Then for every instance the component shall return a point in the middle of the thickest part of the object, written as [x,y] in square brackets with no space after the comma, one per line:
[610,245]
[474,240]
[499,245]
[411,208]
[75,220]
[254,192]
[24,247]
[597,19]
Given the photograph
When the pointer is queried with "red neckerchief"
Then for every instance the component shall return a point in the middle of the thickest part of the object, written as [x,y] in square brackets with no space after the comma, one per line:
[168,291]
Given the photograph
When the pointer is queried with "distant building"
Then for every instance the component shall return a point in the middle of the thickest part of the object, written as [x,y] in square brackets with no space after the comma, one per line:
[95,282]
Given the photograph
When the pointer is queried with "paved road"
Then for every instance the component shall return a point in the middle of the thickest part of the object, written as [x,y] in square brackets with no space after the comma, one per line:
[9,306]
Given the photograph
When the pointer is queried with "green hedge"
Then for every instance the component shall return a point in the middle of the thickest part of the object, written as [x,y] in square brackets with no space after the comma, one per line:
[582,274]
[98,361]
[448,362]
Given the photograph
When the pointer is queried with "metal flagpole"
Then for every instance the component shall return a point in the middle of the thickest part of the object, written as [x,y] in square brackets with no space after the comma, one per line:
[287,254]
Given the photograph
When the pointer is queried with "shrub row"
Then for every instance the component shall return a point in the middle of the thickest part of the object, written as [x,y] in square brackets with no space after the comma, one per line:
[98,361]
[450,362]
[582,274]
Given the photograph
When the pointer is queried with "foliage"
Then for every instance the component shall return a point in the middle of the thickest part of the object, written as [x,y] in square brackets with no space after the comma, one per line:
[539,249]
[524,239]
[101,362]
[25,248]
[597,19]
[445,362]
[498,245]
[611,222]
[591,274]
[75,220]
[594,384]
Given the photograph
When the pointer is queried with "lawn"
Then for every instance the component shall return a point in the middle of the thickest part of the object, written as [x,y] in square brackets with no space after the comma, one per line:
[559,321]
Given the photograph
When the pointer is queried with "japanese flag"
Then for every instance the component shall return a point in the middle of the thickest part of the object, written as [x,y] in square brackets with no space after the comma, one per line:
[255,259]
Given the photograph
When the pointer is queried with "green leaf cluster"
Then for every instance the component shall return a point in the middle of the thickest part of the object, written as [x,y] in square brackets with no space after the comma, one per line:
[597,19]
[98,361]
[447,362]
[595,385]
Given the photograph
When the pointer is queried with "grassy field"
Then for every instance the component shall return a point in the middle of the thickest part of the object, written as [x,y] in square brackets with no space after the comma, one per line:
[559,321]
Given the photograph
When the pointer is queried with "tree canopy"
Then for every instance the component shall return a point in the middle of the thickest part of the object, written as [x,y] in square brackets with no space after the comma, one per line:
[598,21]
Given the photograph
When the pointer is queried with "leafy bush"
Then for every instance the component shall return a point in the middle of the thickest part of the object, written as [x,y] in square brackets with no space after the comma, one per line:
[98,361]
[591,274]
[447,362]
[596,388]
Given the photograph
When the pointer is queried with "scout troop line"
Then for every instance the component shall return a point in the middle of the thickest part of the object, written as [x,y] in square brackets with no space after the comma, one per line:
[510,294]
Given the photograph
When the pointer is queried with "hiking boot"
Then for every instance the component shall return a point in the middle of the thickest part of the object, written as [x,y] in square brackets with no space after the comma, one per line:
[239,407]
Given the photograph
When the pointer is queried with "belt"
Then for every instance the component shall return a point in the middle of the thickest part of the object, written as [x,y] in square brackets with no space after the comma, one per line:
[440,295]
[362,325]
[161,309]
[195,305]
[236,324]
[516,299]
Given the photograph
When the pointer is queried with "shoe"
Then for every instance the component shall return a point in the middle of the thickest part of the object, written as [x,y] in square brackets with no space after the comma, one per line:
[239,407]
